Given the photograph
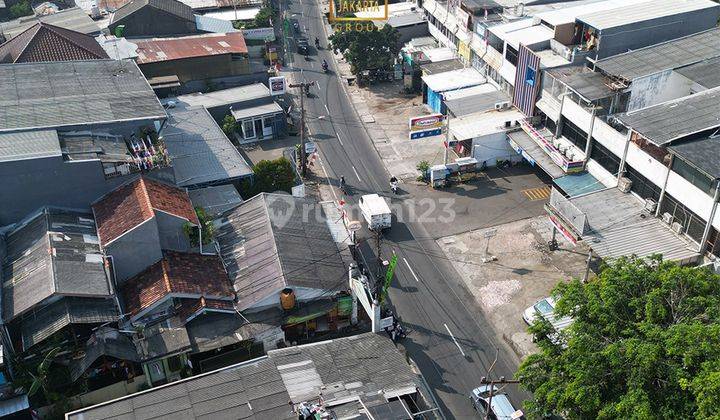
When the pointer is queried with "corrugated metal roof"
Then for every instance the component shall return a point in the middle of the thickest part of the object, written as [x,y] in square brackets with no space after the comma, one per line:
[200,153]
[590,85]
[50,95]
[166,49]
[481,123]
[256,111]
[366,366]
[619,226]
[667,55]
[673,120]
[213,25]
[475,103]
[640,12]
[703,154]
[705,73]
[215,200]
[74,19]
[225,97]
[456,79]
[570,13]
[29,145]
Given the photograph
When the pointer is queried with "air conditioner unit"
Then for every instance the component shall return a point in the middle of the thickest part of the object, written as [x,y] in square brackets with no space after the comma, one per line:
[650,205]
[667,218]
[624,184]
[508,124]
[677,228]
[502,105]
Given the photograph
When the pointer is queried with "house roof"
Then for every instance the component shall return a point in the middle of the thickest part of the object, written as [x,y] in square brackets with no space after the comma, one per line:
[53,252]
[51,95]
[273,241]
[213,25]
[590,85]
[74,18]
[642,12]
[704,73]
[215,200]
[45,42]
[200,151]
[669,121]
[455,79]
[167,49]
[29,145]
[664,56]
[365,367]
[66,311]
[476,103]
[134,203]
[225,97]
[105,341]
[186,274]
[172,7]
[703,154]
[442,66]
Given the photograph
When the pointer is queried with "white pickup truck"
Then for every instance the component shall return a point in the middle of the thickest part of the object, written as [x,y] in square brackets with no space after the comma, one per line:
[376,212]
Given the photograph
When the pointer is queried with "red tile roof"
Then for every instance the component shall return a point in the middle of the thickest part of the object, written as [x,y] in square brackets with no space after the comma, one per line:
[165,49]
[134,203]
[194,307]
[179,273]
[45,42]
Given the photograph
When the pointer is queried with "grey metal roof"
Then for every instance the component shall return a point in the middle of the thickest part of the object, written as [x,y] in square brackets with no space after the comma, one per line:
[163,339]
[200,153]
[256,111]
[475,103]
[617,228]
[442,66]
[406,19]
[29,145]
[273,241]
[641,12]
[213,25]
[52,252]
[365,367]
[705,73]
[703,154]
[225,97]
[50,95]
[215,200]
[74,18]
[673,120]
[174,7]
[70,310]
[105,341]
[667,55]
[589,84]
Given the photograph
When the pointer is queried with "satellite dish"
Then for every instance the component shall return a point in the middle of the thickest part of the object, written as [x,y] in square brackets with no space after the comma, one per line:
[354,225]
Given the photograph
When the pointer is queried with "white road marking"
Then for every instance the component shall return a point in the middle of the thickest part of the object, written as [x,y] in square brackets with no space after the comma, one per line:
[356,174]
[339,139]
[456,342]
[312,65]
[411,270]
[326,109]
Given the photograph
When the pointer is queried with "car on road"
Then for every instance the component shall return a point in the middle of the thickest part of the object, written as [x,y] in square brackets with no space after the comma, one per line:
[376,212]
[302,46]
[499,405]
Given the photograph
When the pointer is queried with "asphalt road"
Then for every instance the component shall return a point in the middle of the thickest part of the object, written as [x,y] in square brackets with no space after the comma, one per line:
[449,339]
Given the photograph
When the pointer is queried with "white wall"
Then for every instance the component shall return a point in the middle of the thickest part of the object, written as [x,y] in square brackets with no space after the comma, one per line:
[602,132]
[657,88]
[491,147]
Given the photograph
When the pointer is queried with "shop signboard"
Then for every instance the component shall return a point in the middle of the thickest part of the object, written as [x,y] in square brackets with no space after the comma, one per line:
[277,85]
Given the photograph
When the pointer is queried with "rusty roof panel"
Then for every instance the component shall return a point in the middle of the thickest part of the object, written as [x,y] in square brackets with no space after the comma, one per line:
[165,49]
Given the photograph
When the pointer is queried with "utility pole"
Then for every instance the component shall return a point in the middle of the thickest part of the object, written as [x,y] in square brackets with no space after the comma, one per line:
[502,381]
[447,135]
[379,279]
[303,158]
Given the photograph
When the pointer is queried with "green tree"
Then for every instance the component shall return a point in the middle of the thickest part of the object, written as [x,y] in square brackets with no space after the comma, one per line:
[20,9]
[644,344]
[207,226]
[229,126]
[367,50]
[271,176]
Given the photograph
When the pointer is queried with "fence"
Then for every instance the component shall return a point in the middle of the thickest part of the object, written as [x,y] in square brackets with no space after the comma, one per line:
[569,212]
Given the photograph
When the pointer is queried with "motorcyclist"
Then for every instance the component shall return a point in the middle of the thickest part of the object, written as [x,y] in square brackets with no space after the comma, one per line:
[394,184]
[317,42]
[342,180]
[324,64]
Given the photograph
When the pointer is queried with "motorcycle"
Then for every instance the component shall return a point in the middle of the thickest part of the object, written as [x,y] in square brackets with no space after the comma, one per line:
[325,67]
[394,185]
[317,44]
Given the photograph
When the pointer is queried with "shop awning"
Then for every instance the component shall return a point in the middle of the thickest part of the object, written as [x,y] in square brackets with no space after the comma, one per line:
[531,151]
[256,111]
[578,184]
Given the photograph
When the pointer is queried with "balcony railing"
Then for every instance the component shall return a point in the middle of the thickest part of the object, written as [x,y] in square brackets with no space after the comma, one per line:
[545,142]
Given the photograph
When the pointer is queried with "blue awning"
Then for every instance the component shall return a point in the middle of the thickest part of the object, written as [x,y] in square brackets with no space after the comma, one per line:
[579,184]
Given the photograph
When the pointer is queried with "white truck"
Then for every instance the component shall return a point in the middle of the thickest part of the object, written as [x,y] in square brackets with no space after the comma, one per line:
[375,211]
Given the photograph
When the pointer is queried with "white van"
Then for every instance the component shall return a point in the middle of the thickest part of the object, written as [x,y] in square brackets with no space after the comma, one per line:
[375,211]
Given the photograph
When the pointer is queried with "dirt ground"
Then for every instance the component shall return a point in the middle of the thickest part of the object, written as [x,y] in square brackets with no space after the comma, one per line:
[525,271]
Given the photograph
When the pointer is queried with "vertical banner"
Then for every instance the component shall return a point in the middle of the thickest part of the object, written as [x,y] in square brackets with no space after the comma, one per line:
[388,276]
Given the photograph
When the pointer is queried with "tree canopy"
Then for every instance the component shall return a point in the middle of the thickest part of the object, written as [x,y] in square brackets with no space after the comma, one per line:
[367,50]
[271,176]
[644,344]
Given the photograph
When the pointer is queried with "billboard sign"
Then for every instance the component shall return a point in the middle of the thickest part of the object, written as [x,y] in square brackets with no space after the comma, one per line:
[427,122]
[277,85]
[414,135]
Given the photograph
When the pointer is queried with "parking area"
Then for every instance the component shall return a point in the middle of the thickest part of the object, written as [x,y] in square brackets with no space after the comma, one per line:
[520,270]
[266,149]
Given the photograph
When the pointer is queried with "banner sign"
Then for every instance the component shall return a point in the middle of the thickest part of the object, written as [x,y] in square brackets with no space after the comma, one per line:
[277,85]
[425,133]
[389,275]
[427,122]
[262,34]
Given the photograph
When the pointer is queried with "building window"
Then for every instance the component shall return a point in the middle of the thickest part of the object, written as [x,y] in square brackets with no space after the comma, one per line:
[693,225]
[530,75]
[605,158]
[174,363]
[641,185]
[511,55]
[495,42]
[573,133]
[692,175]
[248,129]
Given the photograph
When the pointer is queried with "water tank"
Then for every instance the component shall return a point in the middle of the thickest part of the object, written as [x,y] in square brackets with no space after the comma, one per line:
[287,299]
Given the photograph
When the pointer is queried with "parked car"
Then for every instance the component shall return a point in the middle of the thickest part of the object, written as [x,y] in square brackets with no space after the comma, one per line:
[545,308]
[500,406]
